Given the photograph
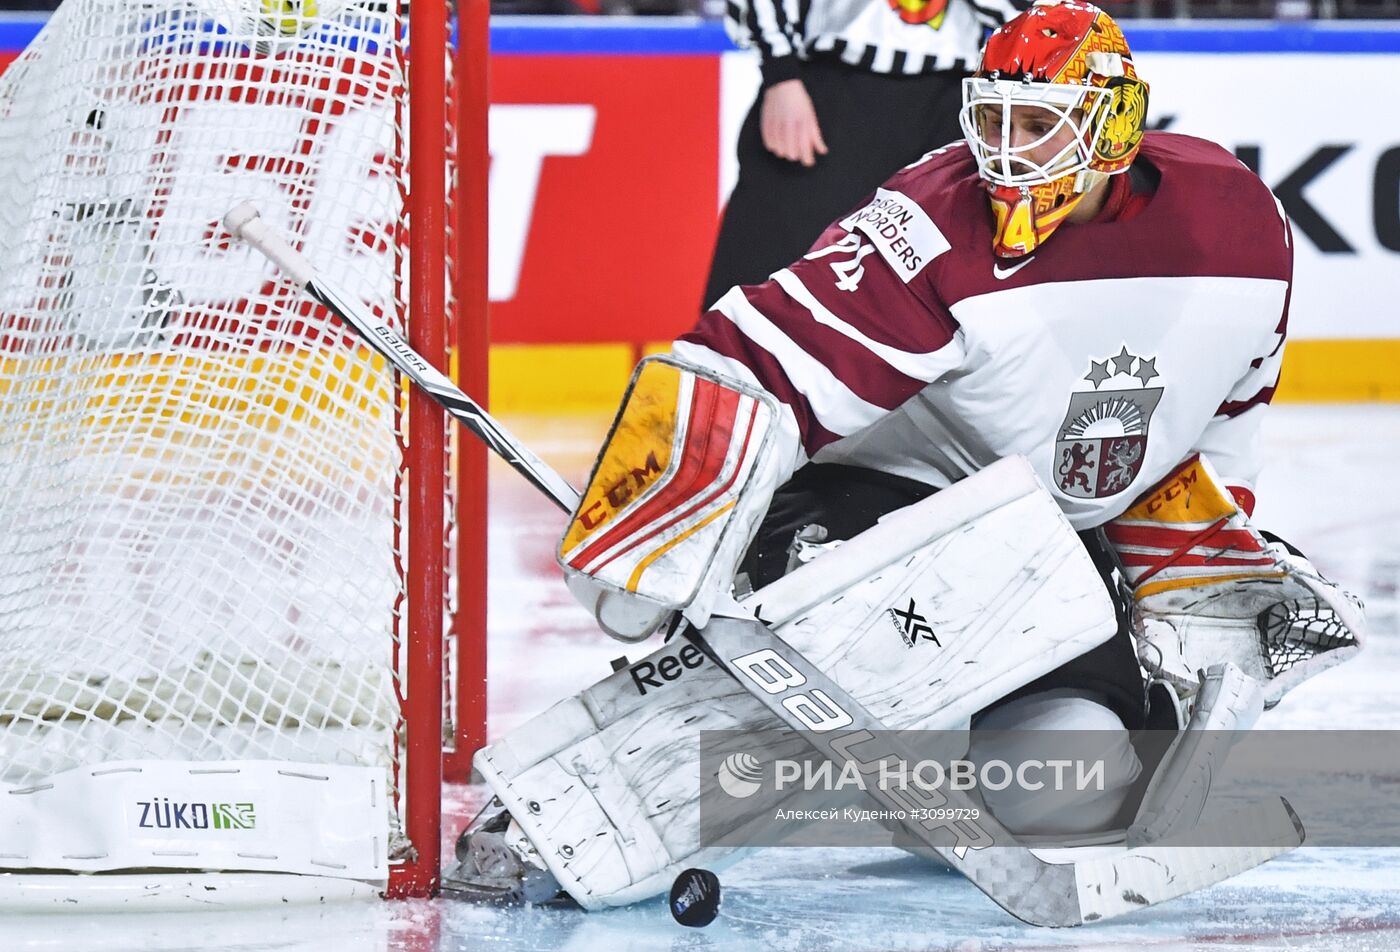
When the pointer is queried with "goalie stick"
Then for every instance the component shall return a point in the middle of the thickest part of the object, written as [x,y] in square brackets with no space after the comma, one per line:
[1012,876]
[243,221]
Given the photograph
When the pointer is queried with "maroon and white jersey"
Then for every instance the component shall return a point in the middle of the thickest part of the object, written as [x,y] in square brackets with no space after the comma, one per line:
[901,343]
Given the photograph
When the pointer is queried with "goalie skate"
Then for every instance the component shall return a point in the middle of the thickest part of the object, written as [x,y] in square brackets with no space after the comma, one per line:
[496,864]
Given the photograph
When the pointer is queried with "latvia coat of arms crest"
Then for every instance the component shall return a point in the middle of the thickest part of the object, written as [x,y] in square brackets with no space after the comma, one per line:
[1102,441]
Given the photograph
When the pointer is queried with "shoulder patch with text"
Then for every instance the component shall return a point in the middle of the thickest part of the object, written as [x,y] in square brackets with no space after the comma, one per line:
[900,230]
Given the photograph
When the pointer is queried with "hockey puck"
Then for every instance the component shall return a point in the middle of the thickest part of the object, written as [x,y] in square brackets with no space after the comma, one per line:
[695,898]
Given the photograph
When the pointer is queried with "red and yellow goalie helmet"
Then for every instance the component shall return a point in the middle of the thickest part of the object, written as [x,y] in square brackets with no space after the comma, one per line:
[1068,61]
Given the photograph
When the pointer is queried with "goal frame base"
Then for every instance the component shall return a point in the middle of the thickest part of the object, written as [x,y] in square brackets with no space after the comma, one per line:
[146,891]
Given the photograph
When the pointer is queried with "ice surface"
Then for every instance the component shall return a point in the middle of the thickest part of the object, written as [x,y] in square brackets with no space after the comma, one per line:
[1331,487]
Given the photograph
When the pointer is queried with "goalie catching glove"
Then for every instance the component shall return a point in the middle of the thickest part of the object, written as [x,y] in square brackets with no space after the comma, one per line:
[1209,588]
[685,475]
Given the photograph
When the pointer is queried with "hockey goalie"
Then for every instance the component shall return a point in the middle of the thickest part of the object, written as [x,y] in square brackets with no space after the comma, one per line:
[1021,388]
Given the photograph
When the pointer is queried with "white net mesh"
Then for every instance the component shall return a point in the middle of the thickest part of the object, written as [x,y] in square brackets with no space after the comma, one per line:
[199,478]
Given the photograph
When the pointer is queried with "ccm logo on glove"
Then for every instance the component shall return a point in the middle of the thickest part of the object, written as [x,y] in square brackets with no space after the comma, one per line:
[621,492]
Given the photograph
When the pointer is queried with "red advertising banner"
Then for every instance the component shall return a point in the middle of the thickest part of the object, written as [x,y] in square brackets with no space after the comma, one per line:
[603,182]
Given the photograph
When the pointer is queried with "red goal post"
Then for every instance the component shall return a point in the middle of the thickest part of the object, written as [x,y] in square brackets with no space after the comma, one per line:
[467,684]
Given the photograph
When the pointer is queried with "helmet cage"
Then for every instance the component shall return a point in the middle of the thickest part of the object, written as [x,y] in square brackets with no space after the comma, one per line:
[1083,109]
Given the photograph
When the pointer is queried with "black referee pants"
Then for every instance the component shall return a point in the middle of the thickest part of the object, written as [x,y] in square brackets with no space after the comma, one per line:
[873,125]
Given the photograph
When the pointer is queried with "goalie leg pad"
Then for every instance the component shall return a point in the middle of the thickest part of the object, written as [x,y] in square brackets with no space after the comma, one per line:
[604,784]
[1002,592]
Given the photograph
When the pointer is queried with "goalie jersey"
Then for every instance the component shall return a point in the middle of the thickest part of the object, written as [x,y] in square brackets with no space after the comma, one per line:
[1123,345]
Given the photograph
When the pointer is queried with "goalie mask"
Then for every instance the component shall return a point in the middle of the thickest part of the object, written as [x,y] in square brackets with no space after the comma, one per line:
[1054,107]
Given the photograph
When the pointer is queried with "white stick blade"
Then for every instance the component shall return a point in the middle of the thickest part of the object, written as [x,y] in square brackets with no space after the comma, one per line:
[1148,875]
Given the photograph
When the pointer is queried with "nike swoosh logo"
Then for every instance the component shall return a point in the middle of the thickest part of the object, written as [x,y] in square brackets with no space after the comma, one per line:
[1001,274]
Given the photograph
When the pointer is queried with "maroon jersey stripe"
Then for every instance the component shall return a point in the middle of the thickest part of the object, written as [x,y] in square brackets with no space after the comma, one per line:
[1233,408]
[861,370]
[718,333]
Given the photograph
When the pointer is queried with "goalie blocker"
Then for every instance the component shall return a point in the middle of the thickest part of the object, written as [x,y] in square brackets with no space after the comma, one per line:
[685,475]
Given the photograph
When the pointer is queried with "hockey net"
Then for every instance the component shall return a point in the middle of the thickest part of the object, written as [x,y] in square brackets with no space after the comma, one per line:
[205,486]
